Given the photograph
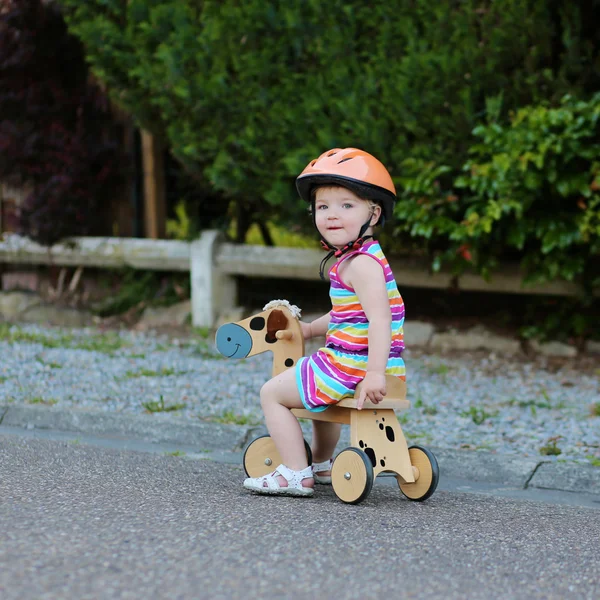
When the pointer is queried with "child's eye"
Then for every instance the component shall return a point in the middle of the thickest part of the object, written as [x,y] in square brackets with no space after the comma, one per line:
[321,206]
[347,205]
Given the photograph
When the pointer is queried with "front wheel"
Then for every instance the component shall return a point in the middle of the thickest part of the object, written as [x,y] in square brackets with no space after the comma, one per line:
[429,475]
[352,475]
[261,456]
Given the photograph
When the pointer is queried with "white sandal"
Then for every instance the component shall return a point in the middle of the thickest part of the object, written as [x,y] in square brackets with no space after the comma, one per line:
[294,479]
[319,468]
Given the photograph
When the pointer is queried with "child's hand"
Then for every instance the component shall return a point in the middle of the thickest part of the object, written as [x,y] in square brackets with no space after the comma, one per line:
[373,387]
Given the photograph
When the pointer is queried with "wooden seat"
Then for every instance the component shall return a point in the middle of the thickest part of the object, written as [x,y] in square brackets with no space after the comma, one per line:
[393,403]
[394,399]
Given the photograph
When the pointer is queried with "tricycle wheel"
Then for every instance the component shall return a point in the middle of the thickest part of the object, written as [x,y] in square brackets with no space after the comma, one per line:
[428,475]
[352,475]
[261,456]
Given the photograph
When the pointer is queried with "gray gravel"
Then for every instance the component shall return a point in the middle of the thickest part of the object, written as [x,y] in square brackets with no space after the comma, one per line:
[468,400]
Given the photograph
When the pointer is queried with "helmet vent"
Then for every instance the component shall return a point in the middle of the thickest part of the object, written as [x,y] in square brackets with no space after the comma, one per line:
[312,164]
[345,159]
[332,153]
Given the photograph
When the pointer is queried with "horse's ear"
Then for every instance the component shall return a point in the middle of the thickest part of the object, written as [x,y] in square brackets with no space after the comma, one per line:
[276,321]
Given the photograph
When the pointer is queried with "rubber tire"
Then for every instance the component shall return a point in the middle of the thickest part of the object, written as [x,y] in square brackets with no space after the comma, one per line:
[429,475]
[354,461]
[261,449]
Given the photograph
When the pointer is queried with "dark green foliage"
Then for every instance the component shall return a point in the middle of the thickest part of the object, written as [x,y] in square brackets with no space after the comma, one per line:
[247,93]
[530,191]
[55,128]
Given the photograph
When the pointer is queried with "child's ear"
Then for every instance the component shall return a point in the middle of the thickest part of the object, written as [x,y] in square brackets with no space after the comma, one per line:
[376,215]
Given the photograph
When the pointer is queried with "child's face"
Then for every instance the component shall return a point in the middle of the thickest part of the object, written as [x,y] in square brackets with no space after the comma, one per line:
[340,213]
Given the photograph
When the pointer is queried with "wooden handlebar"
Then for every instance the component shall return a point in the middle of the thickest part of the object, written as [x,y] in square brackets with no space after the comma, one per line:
[284,334]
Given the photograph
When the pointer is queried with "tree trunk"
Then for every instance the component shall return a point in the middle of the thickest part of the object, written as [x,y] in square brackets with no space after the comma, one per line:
[266,234]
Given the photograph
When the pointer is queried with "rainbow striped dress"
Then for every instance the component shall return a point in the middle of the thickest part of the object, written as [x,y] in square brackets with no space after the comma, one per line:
[333,372]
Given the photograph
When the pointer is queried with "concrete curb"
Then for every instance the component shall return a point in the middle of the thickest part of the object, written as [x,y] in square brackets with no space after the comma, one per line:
[207,436]
[510,470]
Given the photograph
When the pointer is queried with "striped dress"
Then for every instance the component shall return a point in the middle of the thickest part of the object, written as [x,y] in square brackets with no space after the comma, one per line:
[333,372]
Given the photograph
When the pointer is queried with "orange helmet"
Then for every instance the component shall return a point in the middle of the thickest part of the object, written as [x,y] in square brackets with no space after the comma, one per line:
[351,168]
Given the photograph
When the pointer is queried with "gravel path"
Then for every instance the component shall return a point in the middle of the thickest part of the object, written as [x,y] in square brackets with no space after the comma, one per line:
[478,401]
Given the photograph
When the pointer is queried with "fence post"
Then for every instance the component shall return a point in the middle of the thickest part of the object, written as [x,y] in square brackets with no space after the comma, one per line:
[212,290]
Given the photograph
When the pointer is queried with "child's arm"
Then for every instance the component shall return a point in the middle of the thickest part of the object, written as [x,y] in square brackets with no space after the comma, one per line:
[368,280]
[317,327]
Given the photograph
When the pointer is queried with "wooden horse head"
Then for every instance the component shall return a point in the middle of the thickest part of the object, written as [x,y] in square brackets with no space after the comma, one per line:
[276,329]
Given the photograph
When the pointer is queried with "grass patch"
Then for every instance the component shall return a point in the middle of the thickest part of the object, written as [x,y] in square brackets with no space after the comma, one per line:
[3,379]
[203,350]
[202,332]
[594,461]
[438,369]
[595,409]
[106,343]
[75,442]
[551,448]
[421,437]
[403,418]
[478,415]
[40,400]
[164,372]
[137,356]
[52,365]
[532,405]
[232,418]
[154,406]
[427,410]
[16,334]
[175,453]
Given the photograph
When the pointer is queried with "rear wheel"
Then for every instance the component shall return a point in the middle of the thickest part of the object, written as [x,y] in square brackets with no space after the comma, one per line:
[261,456]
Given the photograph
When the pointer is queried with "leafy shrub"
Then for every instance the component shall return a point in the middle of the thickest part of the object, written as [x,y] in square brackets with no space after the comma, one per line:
[530,190]
[56,134]
[247,94]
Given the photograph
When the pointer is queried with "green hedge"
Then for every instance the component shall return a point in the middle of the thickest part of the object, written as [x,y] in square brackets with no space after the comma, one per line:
[247,93]
[529,191]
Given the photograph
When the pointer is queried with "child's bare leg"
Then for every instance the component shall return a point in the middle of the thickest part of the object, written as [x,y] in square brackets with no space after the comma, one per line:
[324,440]
[277,397]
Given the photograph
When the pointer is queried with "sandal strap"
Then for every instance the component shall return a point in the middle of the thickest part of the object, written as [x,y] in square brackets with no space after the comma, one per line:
[322,466]
[294,478]
[270,480]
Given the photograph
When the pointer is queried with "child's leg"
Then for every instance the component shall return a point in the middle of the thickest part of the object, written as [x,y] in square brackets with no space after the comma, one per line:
[277,397]
[324,441]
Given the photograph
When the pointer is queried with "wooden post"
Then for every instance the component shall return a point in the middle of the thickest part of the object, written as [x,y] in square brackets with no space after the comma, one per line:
[154,187]
[213,290]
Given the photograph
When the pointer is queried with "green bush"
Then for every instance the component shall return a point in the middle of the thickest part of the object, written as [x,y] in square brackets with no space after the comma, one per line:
[246,94]
[530,190]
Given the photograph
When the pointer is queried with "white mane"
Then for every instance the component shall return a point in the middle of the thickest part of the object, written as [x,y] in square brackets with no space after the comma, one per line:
[291,307]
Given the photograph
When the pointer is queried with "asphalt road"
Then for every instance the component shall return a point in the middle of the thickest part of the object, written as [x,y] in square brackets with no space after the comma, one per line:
[83,521]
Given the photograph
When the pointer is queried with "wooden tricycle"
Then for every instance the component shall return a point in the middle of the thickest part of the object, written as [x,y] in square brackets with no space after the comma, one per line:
[377,441]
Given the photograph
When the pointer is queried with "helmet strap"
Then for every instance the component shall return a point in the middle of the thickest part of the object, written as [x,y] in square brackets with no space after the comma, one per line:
[338,252]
